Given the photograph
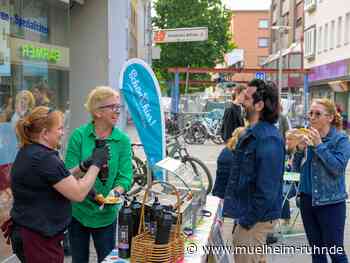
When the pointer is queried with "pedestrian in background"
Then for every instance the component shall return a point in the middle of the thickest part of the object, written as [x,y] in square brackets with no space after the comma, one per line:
[233,115]
[42,188]
[321,158]
[254,189]
[103,104]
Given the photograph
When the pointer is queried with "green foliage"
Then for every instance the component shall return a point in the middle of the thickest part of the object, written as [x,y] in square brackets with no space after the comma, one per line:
[192,13]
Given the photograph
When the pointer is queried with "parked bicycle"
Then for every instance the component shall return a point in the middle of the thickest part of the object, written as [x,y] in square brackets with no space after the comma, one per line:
[176,150]
[205,127]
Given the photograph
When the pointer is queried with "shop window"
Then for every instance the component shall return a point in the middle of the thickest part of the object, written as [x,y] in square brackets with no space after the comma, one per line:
[34,70]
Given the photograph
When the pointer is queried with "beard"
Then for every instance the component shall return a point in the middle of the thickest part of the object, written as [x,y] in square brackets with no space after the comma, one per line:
[249,113]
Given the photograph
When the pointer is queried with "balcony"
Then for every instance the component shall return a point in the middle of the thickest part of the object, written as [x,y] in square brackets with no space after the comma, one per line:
[310,5]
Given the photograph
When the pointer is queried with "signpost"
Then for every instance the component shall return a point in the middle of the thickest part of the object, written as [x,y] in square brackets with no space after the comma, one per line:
[260,75]
[180,35]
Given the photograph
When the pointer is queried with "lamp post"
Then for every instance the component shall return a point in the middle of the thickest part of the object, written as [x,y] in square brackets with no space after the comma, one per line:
[280,30]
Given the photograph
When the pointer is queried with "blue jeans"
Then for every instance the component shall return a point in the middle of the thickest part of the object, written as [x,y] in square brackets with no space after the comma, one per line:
[324,227]
[79,236]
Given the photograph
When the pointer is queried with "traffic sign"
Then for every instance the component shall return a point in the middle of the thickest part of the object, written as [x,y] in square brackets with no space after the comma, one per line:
[180,35]
[260,75]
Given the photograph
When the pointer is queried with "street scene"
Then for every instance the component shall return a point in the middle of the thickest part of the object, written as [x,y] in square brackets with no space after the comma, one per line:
[174,131]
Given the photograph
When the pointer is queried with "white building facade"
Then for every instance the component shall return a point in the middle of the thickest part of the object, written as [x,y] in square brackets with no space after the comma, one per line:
[327,50]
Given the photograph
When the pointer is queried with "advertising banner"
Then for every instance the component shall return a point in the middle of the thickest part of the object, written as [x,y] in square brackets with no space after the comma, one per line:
[141,92]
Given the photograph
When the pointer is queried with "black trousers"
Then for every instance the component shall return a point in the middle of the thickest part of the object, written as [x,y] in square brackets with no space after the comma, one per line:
[324,227]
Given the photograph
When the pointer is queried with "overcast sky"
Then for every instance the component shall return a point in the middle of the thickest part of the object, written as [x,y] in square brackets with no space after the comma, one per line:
[248,4]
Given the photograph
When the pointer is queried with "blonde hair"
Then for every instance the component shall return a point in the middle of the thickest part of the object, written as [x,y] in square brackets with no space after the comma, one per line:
[26,94]
[331,110]
[29,127]
[237,133]
[97,95]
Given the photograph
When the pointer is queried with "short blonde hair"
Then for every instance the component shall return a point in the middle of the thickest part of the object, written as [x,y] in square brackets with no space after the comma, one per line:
[97,95]
[26,94]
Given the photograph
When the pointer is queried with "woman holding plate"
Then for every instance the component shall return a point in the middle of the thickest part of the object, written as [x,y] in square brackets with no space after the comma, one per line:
[89,217]
[322,153]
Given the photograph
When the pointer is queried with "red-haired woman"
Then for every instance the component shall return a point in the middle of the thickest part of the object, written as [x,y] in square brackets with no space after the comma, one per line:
[42,187]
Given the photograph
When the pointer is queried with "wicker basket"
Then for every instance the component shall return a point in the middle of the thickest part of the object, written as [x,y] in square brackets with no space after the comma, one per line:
[143,247]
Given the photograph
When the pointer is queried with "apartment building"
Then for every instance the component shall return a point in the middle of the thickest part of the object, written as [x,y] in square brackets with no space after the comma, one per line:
[251,34]
[327,50]
[286,18]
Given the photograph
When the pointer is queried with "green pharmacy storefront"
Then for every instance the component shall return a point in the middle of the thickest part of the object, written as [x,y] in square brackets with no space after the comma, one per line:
[34,70]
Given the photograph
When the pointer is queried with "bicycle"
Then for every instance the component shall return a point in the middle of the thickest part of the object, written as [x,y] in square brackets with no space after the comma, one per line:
[139,168]
[205,126]
[175,150]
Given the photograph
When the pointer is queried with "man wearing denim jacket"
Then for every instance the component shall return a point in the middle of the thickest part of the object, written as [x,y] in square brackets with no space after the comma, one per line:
[253,194]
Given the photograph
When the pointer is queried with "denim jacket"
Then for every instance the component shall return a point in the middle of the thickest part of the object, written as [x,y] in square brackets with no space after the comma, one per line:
[223,171]
[327,168]
[254,190]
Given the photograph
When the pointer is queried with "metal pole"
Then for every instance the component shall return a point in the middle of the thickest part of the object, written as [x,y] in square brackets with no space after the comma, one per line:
[186,89]
[280,62]
[306,97]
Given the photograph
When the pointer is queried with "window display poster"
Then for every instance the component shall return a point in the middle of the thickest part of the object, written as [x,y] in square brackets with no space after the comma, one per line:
[8,143]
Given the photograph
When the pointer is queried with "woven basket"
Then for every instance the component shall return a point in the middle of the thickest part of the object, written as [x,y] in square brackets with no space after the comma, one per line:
[143,247]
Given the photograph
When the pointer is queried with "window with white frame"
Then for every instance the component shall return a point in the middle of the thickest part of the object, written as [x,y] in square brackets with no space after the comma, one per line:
[332,35]
[309,47]
[325,35]
[264,23]
[347,29]
[340,31]
[319,40]
[263,42]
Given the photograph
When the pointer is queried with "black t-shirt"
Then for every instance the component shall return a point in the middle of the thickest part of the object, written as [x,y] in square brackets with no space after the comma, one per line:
[231,120]
[37,205]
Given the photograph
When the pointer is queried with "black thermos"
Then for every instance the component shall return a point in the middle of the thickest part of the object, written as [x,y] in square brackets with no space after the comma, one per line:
[136,214]
[156,212]
[103,174]
[124,231]
[164,228]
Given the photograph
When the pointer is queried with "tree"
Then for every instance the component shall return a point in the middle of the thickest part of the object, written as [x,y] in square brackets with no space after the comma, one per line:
[193,13]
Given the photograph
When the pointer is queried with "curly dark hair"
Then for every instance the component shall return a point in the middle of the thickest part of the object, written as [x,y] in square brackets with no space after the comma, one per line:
[267,92]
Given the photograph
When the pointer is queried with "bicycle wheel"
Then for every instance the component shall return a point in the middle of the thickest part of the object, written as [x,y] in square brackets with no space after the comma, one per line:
[139,172]
[196,134]
[200,169]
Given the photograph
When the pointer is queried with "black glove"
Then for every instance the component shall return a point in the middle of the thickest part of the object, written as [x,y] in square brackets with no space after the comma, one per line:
[84,165]
[100,156]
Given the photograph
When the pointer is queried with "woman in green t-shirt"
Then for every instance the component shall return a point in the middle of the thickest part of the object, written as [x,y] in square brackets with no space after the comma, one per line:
[103,104]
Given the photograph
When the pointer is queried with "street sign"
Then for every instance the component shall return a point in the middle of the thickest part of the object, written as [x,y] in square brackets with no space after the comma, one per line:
[260,75]
[180,35]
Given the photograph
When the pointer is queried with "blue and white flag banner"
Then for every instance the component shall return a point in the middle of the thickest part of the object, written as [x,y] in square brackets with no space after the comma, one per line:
[141,92]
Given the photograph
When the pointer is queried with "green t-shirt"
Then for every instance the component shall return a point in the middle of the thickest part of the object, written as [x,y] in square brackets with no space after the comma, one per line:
[80,147]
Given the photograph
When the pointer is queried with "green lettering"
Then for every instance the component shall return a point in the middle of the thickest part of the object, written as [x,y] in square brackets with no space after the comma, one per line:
[39,53]
[27,51]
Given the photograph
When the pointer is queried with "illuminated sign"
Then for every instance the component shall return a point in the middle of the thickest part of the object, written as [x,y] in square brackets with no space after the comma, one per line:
[41,53]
